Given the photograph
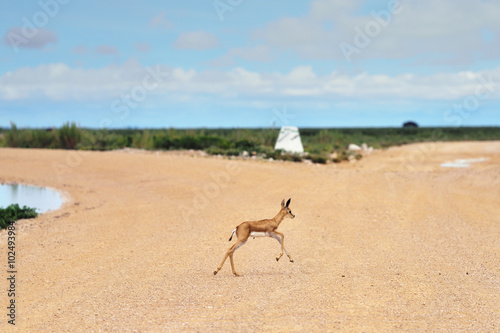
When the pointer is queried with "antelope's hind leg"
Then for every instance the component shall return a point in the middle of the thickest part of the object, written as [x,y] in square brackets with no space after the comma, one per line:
[229,254]
[236,247]
[223,260]
[232,264]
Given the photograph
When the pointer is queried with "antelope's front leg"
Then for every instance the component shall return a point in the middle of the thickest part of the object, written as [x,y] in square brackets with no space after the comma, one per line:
[276,235]
[288,254]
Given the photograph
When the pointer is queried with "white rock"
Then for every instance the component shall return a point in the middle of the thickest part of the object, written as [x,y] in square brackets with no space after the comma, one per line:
[354,147]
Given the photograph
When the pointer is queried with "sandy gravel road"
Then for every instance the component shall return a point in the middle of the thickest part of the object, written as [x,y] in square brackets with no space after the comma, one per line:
[392,243]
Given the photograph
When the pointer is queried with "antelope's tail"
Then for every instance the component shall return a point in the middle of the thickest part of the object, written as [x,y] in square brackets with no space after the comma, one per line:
[232,234]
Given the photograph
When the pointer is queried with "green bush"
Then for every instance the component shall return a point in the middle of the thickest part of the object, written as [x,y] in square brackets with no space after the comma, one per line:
[214,150]
[341,157]
[319,159]
[274,154]
[232,152]
[167,141]
[162,142]
[69,136]
[13,213]
[43,139]
[12,137]
[245,145]
[290,157]
[30,138]
[143,140]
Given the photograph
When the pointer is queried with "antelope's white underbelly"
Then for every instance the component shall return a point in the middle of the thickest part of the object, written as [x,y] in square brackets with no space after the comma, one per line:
[259,234]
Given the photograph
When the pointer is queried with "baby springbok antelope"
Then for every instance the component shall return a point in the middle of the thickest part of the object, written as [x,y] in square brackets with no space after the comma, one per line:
[260,228]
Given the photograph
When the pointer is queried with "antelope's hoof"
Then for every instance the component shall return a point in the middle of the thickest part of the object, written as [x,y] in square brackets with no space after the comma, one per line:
[291,260]
[236,274]
[215,272]
[277,259]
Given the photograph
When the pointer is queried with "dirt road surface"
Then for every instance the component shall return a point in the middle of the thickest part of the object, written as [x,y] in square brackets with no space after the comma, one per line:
[394,242]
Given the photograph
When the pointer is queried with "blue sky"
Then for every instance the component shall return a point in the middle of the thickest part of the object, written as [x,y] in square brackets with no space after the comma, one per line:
[242,63]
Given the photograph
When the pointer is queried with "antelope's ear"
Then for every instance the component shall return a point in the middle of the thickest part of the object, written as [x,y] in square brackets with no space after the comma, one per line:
[283,203]
[288,202]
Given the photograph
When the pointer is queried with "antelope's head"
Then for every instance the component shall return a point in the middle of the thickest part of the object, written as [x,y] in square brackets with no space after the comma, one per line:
[286,208]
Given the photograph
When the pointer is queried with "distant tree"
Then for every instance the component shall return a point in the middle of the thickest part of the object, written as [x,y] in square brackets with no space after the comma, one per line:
[410,124]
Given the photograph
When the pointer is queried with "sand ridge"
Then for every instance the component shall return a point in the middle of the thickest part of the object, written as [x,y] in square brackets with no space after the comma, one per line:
[393,242]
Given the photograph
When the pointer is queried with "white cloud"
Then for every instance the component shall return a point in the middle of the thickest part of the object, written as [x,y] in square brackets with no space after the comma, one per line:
[303,35]
[302,75]
[258,53]
[196,40]
[61,82]
[330,9]
[261,53]
[449,28]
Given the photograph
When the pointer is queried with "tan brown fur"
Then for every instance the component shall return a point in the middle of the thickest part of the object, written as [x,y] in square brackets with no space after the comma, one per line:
[267,227]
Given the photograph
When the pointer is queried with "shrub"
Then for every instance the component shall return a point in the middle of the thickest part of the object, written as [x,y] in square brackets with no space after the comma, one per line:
[214,150]
[275,154]
[143,139]
[290,157]
[318,159]
[162,142]
[207,141]
[245,145]
[167,141]
[69,136]
[42,139]
[187,142]
[341,157]
[12,136]
[13,213]
[232,152]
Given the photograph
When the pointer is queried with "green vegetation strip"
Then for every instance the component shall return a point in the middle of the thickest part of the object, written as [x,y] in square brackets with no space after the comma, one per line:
[319,143]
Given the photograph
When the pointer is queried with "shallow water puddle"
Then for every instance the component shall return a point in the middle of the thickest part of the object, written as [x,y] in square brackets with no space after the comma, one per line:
[463,163]
[41,198]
